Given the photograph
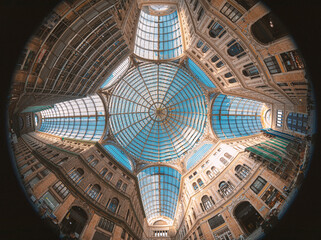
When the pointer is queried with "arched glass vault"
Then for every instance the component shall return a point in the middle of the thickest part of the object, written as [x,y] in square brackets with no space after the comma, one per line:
[82,119]
[159,187]
[158,37]
[236,117]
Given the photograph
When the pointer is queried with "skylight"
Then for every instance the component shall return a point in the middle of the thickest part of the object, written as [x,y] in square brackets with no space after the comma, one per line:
[159,187]
[119,156]
[158,37]
[157,112]
[117,73]
[197,71]
[198,155]
[159,7]
[83,119]
[236,117]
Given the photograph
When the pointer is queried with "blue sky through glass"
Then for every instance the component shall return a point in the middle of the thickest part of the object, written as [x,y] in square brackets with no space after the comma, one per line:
[158,37]
[197,71]
[198,155]
[117,73]
[119,156]
[236,117]
[157,112]
[159,187]
[82,119]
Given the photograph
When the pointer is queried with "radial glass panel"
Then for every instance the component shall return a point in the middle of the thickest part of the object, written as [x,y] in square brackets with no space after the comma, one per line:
[159,187]
[236,117]
[119,156]
[82,118]
[158,37]
[157,112]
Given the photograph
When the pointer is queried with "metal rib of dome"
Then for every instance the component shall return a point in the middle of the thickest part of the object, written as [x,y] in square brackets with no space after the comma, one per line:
[157,112]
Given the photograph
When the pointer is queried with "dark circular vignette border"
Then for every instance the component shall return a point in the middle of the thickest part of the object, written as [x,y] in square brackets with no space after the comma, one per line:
[277,6]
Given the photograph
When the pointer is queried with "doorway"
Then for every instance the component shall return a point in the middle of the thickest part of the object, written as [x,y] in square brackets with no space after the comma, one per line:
[74,221]
[248,218]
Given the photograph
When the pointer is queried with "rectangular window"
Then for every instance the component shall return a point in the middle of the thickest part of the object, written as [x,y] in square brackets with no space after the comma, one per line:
[279,118]
[272,197]
[216,221]
[223,234]
[106,224]
[26,174]
[292,60]
[247,4]
[61,189]
[231,12]
[44,172]
[258,185]
[34,181]
[272,65]
[100,236]
[123,234]
[49,200]
[200,233]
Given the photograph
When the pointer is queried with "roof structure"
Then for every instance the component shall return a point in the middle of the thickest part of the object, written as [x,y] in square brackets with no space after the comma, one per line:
[156,112]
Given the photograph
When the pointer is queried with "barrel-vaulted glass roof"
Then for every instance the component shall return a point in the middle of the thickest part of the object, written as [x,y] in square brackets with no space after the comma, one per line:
[158,37]
[159,187]
[157,112]
[82,119]
[236,117]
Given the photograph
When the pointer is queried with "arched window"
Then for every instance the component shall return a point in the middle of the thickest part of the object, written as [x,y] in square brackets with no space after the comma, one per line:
[219,64]
[91,157]
[250,70]
[76,175]
[205,49]
[209,174]
[232,80]
[215,59]
[195,186]
[235,49]
[113,205]
[119,183]
[242,171]
[103,172]
[228,75]
[215,30]
[225,189]
[215,170]
[200,182]
[199,44]
[200,14]
[207,203]
[224,161]
[109,176]
[124,187]
[94,163]
[227,155]
[93,192]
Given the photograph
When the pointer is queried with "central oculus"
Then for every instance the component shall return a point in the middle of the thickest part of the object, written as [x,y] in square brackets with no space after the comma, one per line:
[157,112]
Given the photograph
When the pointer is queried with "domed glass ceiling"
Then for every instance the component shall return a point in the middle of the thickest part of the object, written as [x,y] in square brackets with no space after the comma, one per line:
[157,112]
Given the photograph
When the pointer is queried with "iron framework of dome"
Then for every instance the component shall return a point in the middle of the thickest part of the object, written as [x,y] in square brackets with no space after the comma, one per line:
[157,112]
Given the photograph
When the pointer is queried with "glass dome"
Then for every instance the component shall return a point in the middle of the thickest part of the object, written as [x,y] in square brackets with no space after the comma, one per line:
[157,112]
